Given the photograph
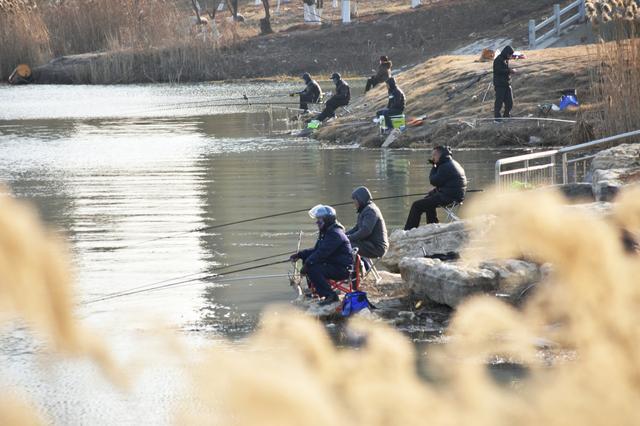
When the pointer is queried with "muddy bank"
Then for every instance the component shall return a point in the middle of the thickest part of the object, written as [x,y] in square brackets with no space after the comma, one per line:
[408,38]
[454,98]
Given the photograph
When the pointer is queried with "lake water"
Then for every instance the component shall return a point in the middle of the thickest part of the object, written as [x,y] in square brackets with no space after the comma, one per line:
[130,175]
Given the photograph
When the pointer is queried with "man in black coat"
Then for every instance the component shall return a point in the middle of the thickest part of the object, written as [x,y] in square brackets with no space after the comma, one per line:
[450,182]
[396,103]
[330,258]
[311,93]
[502,83]
[340,98]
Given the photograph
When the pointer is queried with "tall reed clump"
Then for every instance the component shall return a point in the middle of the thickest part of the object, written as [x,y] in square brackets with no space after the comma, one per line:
[23,35]
[616,76]
[290,373]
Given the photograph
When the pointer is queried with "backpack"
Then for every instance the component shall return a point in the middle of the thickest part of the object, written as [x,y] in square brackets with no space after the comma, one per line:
[355,302]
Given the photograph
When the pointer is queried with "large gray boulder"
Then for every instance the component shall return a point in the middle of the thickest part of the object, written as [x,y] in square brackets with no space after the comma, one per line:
[433,239]
[613,168]
[451,283]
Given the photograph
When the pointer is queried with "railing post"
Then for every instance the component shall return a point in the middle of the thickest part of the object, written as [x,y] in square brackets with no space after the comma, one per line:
[526,172]
[498,173]
[346,11]
[558,19]
[565,174]
[532,34]
[583,11]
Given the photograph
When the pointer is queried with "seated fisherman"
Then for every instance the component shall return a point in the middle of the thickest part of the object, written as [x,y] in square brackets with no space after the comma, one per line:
[331,257]
[312,93]
[369,235]
[383,74]
[396,103]
[340,98]
[450,182]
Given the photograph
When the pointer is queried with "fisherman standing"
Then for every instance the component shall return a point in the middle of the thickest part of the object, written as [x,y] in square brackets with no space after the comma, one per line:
[369,235]
[312,93]
[340,98]
[331,257]
[396,103]
[502,83]
[448,177]
[383,74]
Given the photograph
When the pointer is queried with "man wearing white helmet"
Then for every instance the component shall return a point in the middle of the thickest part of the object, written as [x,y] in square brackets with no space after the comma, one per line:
[331,257]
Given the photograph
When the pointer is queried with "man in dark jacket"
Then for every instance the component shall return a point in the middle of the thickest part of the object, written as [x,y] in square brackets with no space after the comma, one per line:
[396,103]
[450,182]
[340,98]
[502,83]
[383,74]
[331,258]
[369,235]
[311,93]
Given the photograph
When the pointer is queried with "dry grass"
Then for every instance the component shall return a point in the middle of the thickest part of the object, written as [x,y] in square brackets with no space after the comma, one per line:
[616,77]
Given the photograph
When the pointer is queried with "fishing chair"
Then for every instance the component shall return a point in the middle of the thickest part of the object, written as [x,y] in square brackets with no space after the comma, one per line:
[452,211]
[352,283]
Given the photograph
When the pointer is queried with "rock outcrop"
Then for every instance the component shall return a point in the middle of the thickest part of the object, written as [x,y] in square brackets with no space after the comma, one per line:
[614,168]
[451,283]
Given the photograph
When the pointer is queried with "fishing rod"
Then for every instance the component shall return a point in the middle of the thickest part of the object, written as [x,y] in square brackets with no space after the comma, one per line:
[253,219]
[156,283]
[179,283]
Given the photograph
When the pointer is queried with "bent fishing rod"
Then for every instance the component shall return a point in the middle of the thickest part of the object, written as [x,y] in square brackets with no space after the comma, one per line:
[253,219]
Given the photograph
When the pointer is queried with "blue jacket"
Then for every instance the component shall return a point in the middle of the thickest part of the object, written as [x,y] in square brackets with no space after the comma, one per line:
[332,247]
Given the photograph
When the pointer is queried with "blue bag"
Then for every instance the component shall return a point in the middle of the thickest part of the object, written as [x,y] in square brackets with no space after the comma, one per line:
[355,302]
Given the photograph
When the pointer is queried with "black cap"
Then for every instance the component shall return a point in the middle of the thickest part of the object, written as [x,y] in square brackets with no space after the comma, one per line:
[336,76]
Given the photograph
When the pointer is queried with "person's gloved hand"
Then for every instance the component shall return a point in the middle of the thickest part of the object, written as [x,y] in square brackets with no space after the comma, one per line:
[303,270]
[292,94]
[294,257]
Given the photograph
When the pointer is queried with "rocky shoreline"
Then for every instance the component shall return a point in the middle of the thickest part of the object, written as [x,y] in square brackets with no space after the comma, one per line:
[430,275]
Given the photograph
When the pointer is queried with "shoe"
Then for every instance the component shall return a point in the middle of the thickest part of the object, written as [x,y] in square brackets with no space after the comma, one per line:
[329,300]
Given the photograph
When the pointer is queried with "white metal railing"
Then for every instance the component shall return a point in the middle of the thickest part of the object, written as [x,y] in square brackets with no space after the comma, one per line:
[556,20]
[539,168]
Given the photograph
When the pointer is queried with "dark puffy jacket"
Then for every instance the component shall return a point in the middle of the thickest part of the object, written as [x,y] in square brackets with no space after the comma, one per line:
[449,179]
[396,96]
[313,90]
[343,93]
[384,72]
[501,70]
[370,225]
[332,247]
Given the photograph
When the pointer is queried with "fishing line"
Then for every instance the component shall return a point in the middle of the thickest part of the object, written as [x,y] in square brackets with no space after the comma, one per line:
[154,284]
[192,280]
[253,219]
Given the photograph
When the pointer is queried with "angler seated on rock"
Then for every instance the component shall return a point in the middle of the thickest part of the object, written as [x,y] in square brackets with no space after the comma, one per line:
[331,257]
[448,177]
[369,235]
[396,103]
[312,93]
[340,98]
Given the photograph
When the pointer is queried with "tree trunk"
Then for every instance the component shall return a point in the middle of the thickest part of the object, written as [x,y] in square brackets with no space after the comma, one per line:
[265,23]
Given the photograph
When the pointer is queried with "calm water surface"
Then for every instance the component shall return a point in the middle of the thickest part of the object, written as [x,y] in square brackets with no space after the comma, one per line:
[118,169]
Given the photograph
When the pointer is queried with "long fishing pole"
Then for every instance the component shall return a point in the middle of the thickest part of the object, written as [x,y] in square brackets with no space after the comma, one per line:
[253,219]
[218,272]
[170,285]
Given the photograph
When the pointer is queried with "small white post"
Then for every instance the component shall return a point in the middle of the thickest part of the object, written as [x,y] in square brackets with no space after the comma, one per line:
[335,4]
[277,6]
[258,2]
[558,18]
[346,11]
[532,34]
[415,3]
[221,7]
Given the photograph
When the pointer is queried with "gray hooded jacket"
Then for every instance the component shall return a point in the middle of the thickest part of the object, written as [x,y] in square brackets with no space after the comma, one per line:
[370,225]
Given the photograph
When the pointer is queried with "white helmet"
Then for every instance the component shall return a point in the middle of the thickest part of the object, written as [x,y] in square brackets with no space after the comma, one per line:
[321,211]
